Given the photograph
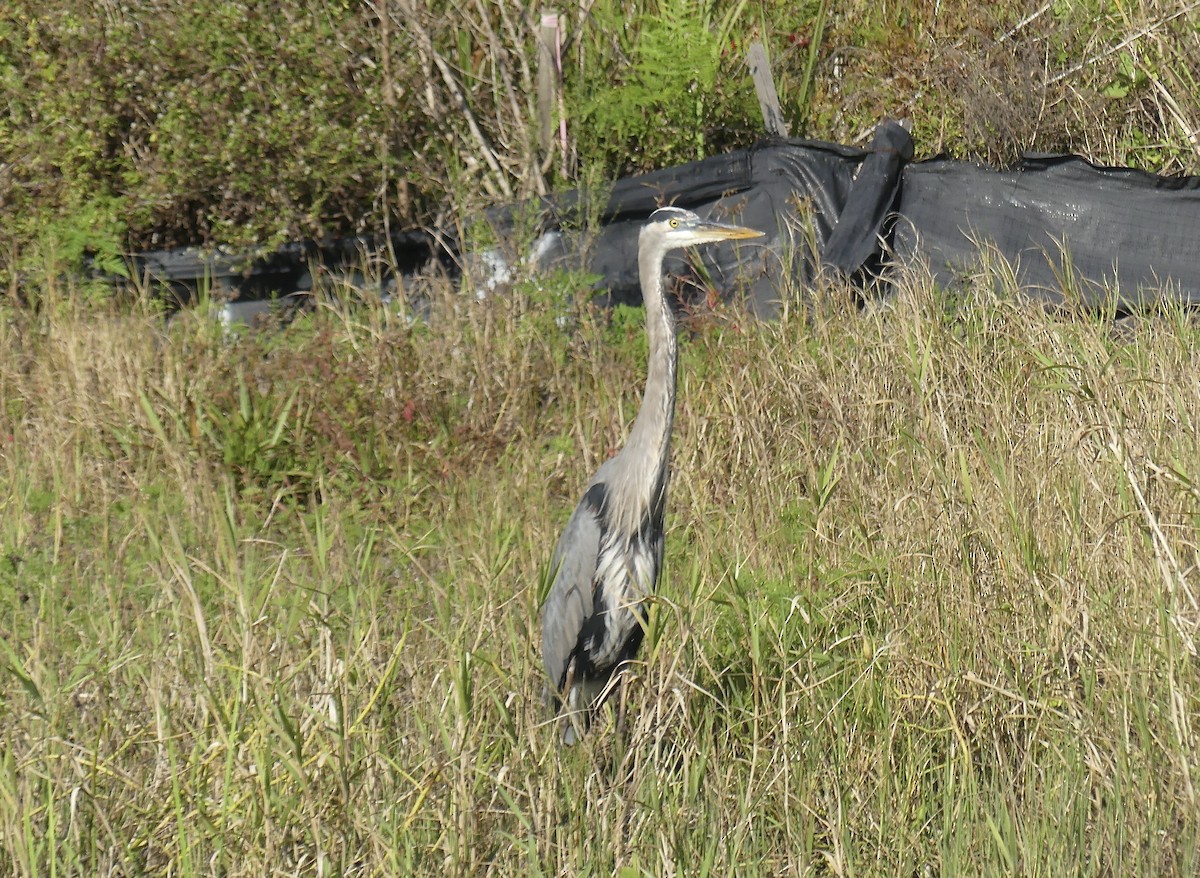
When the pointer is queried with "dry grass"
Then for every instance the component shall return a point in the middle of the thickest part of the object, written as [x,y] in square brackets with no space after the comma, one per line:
[929,608]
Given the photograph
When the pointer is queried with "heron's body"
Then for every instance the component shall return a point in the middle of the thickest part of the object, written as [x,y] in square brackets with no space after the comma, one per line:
[608,558]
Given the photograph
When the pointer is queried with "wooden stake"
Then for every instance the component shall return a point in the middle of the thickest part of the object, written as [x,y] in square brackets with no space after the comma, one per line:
[764,85]
[547,79]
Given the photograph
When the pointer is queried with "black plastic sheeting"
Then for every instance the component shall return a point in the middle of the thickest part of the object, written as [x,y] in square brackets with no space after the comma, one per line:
[252,281]
[1111,237]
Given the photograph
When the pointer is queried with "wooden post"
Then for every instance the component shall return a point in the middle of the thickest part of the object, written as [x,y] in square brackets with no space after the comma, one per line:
[547,79]
[764,85]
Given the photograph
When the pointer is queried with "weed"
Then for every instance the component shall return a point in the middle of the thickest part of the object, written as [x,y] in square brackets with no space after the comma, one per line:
[927,604]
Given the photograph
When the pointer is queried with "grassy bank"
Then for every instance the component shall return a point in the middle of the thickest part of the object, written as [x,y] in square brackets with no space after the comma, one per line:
[269,604]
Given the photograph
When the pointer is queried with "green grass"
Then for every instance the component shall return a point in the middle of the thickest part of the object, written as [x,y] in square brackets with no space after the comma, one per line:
[268,604]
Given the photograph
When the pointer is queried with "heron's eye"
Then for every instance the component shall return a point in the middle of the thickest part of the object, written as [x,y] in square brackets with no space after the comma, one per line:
[674,223]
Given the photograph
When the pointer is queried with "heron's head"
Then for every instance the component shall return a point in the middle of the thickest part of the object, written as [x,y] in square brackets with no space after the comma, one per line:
[672,227]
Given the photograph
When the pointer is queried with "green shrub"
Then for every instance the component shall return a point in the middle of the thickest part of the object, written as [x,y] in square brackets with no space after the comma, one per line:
[681,94]
[153,123]
[177,123]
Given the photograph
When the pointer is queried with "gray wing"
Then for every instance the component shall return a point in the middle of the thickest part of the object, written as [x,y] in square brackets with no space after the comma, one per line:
[569,602]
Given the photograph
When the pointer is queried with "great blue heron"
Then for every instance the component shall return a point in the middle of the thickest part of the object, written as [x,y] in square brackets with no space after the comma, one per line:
[608,558]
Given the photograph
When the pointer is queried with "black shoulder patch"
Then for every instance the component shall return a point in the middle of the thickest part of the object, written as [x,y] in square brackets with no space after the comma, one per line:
[596,498]
[651,525]
[650,528]
[591,636]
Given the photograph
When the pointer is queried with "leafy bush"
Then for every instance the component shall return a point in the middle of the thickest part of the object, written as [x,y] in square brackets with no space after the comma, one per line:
[678,97]
[179,124]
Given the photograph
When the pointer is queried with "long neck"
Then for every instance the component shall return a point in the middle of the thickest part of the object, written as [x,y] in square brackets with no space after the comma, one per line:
[650,438]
